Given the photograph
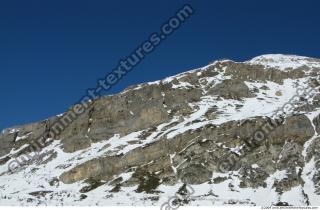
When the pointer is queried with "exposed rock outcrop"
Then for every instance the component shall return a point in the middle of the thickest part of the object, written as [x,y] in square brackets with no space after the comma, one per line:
[216,127]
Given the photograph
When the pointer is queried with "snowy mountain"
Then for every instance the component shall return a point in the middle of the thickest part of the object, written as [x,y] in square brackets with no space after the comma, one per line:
[235,133]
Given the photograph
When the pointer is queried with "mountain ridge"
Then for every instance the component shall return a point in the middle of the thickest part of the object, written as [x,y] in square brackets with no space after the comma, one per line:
[149,141]
[251,61]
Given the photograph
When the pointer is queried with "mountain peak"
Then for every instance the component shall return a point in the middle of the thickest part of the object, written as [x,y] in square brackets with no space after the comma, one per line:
[284,62]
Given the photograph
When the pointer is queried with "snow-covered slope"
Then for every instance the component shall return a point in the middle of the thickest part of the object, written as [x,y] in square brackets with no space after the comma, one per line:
[284,62]
[153,140]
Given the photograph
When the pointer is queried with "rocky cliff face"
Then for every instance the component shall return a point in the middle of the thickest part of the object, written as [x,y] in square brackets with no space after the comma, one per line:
[237,133]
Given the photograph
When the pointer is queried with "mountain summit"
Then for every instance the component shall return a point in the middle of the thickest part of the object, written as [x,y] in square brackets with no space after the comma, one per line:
[243,133]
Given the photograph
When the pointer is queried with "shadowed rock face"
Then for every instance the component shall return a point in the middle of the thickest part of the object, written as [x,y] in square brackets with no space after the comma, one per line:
[7,142]
[232,89]
[199,127]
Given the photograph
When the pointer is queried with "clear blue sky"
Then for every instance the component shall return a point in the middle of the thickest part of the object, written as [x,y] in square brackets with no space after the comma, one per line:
[52,51]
